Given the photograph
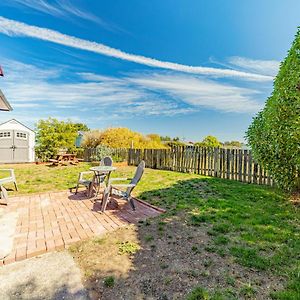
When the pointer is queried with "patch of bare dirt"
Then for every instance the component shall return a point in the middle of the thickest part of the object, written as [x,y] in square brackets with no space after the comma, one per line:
[295,199]
[174,258]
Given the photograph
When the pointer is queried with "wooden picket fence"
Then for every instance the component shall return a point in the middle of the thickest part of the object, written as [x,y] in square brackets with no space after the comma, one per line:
[234,164]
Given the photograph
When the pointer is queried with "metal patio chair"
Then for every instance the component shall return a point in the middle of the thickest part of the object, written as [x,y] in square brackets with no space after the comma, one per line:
[116,188]
[88,183]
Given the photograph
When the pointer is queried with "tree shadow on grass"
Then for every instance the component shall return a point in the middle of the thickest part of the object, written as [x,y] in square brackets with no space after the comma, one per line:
[230,238]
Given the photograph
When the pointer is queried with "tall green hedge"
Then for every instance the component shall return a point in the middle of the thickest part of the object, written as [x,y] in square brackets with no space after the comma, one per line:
[274,134]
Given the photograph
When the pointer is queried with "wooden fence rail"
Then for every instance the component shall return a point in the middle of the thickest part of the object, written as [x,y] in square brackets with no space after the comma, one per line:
[234,164]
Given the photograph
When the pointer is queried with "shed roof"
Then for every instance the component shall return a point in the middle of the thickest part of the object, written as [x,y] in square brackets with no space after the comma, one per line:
[4,105]
[18,123]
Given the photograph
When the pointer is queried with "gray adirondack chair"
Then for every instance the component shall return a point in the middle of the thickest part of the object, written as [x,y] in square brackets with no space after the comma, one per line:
[115,188]
[11,178]
[88,183]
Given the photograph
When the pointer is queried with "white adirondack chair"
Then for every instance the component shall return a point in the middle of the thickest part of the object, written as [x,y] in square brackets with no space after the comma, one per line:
[11,178]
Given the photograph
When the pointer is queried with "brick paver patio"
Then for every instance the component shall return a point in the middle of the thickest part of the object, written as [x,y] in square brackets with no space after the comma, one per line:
[52,221]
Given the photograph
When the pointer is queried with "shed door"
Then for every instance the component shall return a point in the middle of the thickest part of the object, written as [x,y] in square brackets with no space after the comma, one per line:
[6,143]
[21,146]
[14,146]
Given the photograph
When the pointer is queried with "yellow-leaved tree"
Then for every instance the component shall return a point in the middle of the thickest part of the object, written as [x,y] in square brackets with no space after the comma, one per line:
[121,137]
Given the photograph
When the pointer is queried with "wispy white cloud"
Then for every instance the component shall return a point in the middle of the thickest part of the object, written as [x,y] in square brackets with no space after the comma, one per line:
[103,96]
[258,66]
[199,92]
[15,28]
[58,8]
[45,93]
[265,67]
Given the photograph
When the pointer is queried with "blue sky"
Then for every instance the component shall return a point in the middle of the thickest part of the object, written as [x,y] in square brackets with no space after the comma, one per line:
[184,68]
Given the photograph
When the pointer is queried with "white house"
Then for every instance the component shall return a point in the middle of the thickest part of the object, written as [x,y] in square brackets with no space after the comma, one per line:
[16,142]
[4,105]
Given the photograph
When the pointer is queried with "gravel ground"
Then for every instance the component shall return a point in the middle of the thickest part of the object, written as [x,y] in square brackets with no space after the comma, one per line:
[50,276]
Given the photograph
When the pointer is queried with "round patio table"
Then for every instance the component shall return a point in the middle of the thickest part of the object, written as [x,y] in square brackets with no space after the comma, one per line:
[99,172]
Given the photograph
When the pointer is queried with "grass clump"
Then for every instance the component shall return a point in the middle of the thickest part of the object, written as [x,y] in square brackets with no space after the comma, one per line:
[109,281]
[198,293]
[128,248]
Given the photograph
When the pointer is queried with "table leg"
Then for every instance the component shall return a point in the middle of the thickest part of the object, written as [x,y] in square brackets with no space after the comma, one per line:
[98,183]
[91,186]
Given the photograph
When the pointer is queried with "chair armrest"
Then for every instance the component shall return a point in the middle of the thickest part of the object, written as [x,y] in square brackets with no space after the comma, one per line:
[86,172]
[81,174]
[11,172]
[119,179]
[123,185]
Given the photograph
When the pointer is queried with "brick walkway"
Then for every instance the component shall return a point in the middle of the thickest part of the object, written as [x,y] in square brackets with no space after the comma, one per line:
[52,221]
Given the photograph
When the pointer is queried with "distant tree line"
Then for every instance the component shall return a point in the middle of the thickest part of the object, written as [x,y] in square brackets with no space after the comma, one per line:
[54,135]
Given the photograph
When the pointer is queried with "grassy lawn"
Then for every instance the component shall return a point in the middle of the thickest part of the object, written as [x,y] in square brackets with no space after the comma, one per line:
[219,239]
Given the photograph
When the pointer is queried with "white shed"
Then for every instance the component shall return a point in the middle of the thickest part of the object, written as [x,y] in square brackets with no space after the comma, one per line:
[16,142]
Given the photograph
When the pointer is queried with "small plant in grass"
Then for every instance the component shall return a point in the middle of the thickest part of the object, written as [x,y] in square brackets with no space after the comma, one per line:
[198,293]
[221,240]
[160,228]
[147,223]
[247,291]
[211,248]
[207,263]
[168,280]
[164,266]
[109,281]
[230,280]
[221,252]
[292,290]
[149,238]
[197,220]
[194,248]
[128,248]
[205,273]
[250,258]
[192,273]
[221,228]
[98,241]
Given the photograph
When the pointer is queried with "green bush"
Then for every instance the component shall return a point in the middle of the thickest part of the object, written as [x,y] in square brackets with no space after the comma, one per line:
[53,135]
[274,134]
[102,151]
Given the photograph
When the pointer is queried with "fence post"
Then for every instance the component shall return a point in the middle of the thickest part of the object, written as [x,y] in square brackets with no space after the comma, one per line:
[216,162]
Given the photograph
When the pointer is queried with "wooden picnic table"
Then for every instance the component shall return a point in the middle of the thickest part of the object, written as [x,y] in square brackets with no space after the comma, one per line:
[64,159]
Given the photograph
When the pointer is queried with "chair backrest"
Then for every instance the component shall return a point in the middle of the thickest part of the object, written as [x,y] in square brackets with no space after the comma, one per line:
[138,173]
[106,161]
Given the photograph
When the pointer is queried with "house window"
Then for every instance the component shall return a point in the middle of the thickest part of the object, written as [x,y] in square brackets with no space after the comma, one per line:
[21,135]
[5,134]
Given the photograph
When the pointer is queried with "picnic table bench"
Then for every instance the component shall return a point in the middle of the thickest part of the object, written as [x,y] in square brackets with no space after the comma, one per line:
[65,159]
